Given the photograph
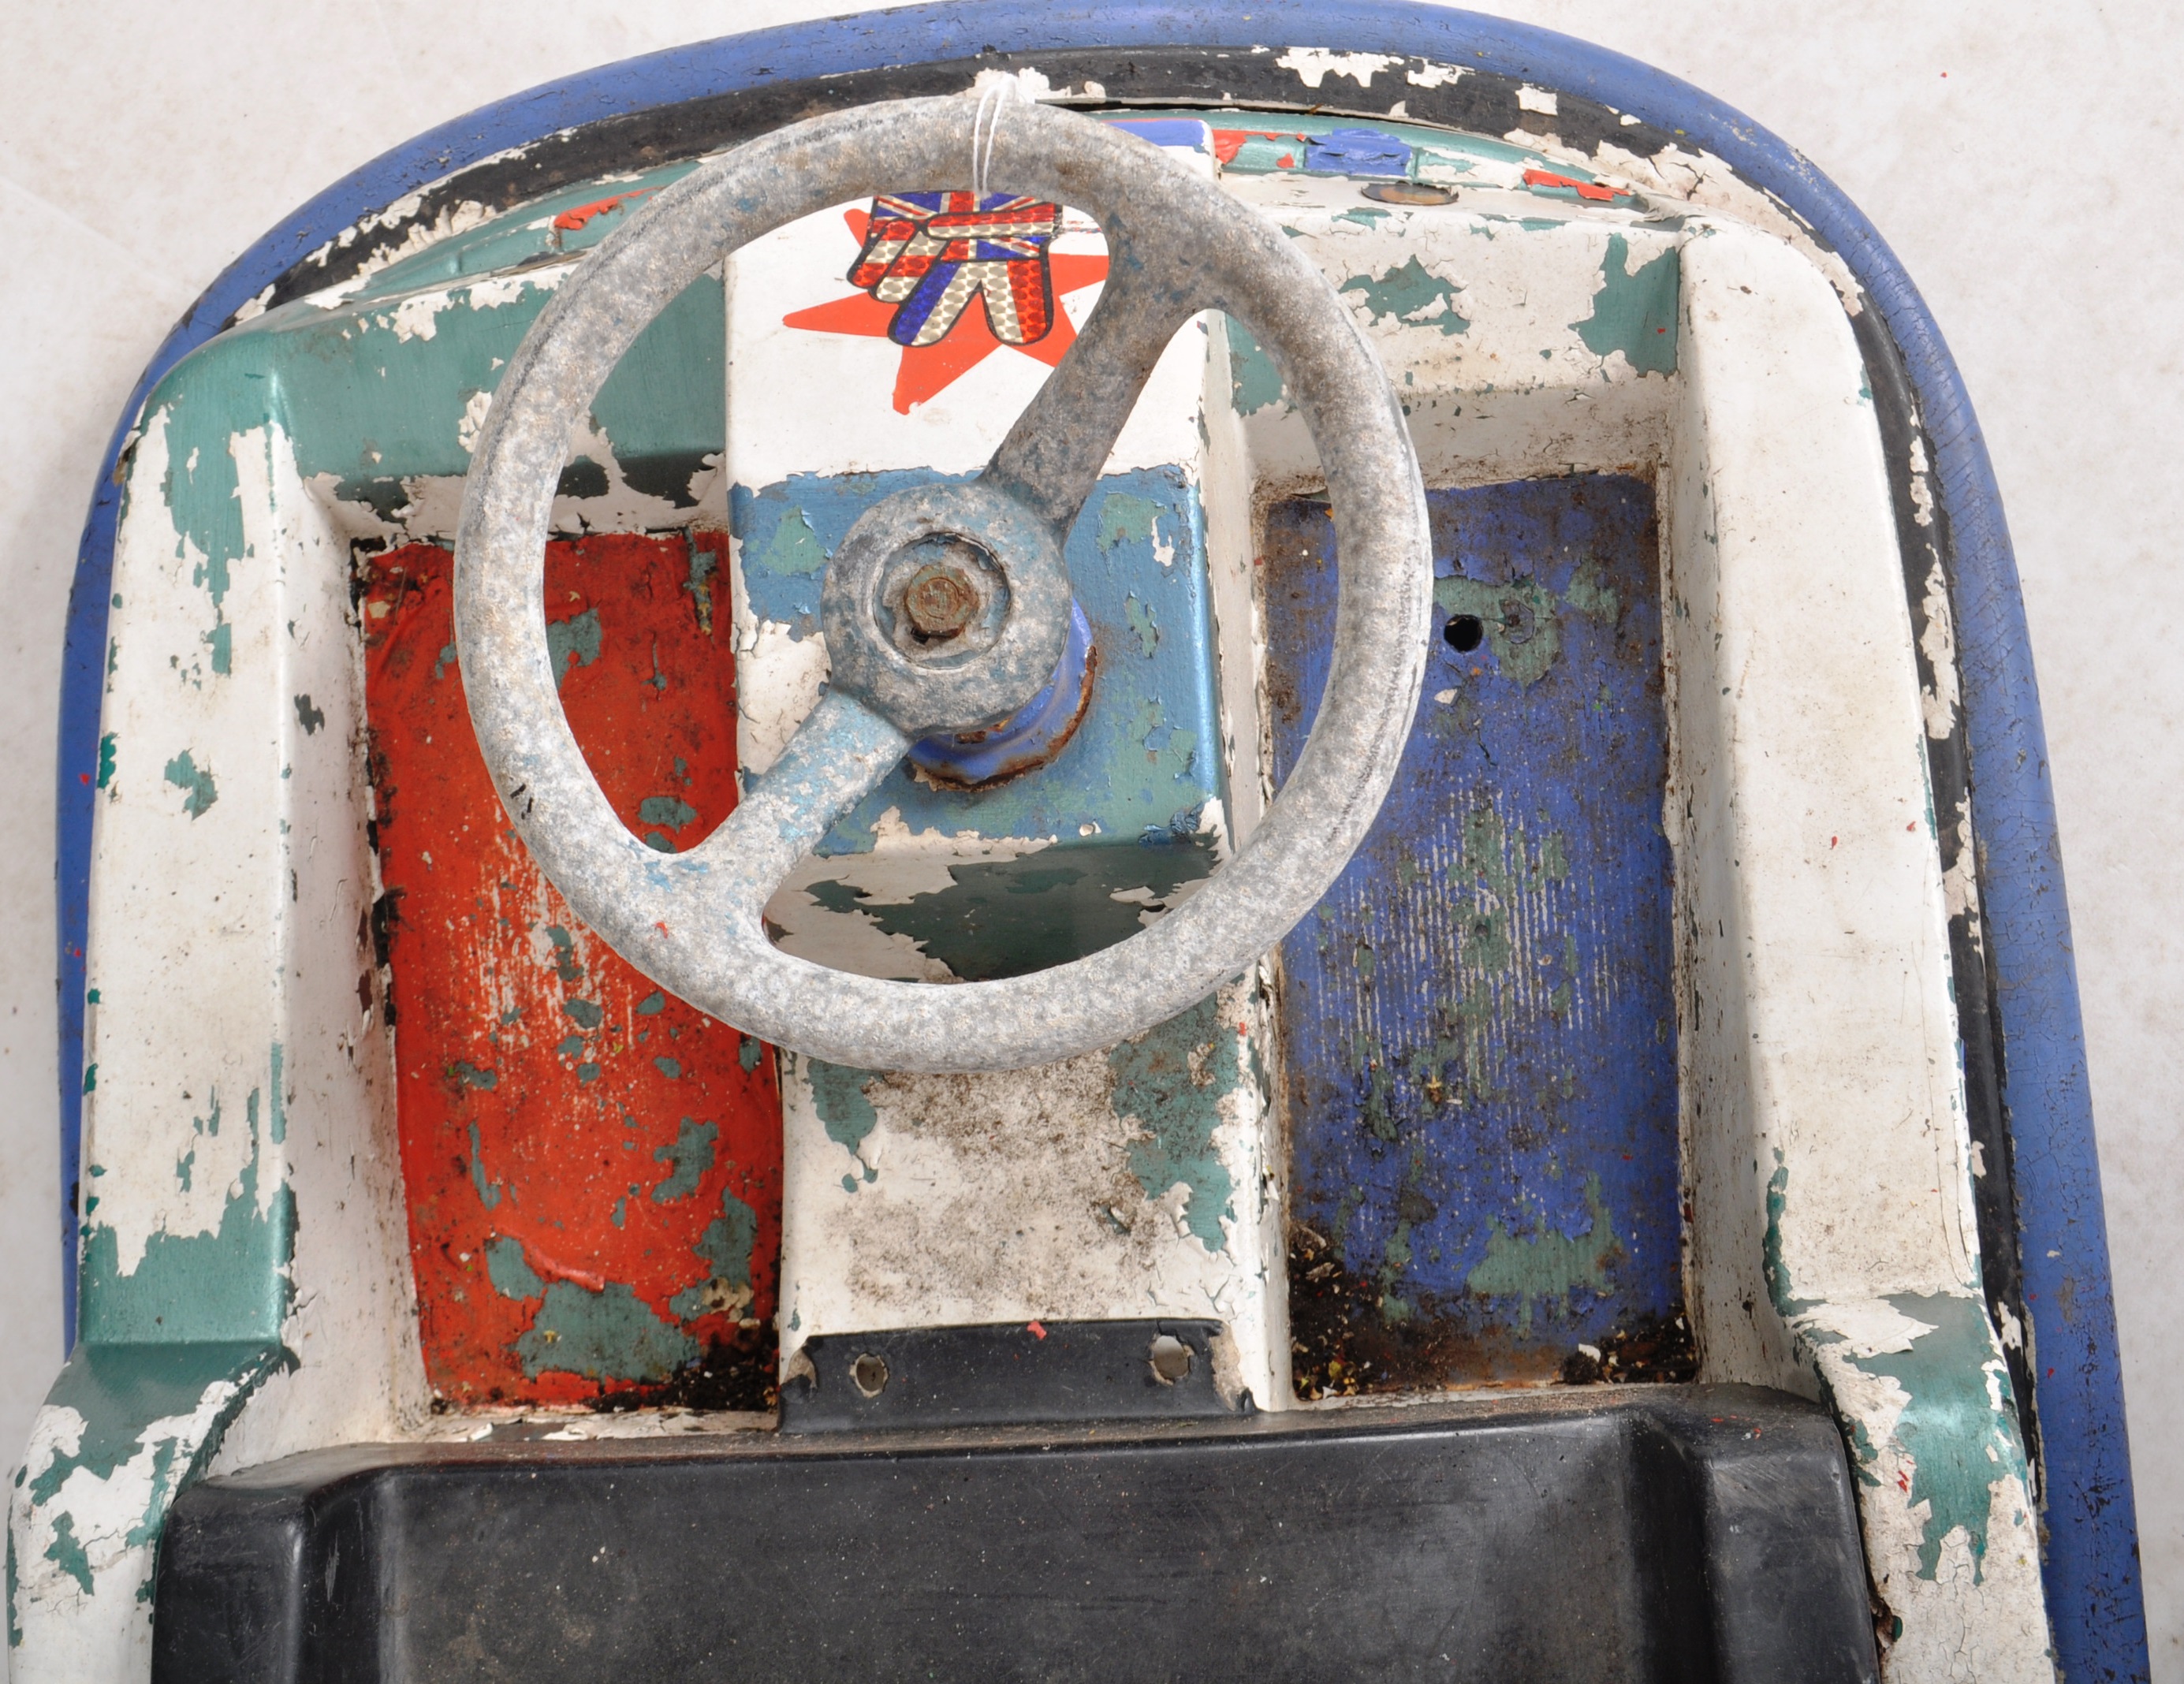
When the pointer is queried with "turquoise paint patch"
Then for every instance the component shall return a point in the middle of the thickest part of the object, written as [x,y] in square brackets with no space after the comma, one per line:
[67,1553]
[726,1248]
[229,1284]
[1126,518]
[488,1192]
[1143,626]
[572,642]
[1634,313]
[608,1335]
[838,1090]
[1958,1440]
[1255,383]
[1157,1086]
[669,1067]
[510,1270]
[690,1154]
[653,1004]
[106,755]
[182,771]
[583,1013]
[665,810]
[1412,294]
[1545,1266]
[795,548]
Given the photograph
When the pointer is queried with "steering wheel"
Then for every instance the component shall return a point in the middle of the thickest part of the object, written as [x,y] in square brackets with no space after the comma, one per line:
[978,564]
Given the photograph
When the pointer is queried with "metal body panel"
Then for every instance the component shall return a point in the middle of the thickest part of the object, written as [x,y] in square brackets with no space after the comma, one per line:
[1699,151]
[1480,1023]
[592,1167]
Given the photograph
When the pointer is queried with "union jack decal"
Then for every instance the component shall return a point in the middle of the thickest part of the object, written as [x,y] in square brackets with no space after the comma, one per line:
[928,254]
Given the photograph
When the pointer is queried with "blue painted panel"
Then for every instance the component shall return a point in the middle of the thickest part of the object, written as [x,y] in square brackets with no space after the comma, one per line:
[1479,1026]
[1128,805]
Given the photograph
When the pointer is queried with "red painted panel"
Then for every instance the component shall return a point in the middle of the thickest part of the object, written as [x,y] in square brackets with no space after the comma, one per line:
[593,1167]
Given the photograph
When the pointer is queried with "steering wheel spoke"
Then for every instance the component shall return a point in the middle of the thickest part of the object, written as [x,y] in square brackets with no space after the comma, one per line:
[1053,456]
[836,757]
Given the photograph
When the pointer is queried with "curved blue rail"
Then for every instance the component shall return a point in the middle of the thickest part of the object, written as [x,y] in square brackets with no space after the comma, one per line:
[2092,1565]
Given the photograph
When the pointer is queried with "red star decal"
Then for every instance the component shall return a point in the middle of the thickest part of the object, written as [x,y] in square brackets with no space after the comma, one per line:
[928,370]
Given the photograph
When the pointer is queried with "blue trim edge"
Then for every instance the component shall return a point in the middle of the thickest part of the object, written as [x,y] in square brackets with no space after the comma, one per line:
[2092,1560]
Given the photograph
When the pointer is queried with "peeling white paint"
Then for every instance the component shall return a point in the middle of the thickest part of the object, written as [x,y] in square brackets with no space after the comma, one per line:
[1427,73]
[1315,64]
[1540,100]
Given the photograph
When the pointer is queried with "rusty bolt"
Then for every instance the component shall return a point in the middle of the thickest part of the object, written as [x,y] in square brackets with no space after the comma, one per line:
[940,601]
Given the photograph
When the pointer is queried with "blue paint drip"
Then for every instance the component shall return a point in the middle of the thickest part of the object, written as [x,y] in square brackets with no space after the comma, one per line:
[2090,1564]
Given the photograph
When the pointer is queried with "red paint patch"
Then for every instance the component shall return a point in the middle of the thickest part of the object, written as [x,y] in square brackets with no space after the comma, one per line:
[1228,142]
[570,220]
[1592,190]
[549,1095]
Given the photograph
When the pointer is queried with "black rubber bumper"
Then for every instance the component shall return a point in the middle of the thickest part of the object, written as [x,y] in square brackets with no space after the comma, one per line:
[1703,1533]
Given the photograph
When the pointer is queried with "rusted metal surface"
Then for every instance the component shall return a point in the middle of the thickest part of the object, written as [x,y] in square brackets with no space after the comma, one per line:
[593,1166]
[1176,245]
[1479,1026]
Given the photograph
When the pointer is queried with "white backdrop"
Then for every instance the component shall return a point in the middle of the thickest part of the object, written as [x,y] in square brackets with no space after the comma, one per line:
[2019,158]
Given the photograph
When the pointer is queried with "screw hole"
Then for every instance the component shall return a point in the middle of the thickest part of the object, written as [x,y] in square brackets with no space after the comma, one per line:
[1171,1359]
[869,1373]
[1464,632]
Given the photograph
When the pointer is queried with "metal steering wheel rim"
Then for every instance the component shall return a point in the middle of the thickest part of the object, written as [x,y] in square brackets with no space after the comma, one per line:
[691,921]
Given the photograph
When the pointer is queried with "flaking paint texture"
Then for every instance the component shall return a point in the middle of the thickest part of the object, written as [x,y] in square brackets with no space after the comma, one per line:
[594,1166]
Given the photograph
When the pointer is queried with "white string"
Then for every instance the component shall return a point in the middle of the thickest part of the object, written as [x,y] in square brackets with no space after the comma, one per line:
[993,97]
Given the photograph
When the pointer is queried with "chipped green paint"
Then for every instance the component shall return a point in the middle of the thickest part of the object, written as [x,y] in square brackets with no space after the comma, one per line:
[669,1067]
[488,1192]
[1412,294]
[665,810]
[607,1334]
[565,964]
[690,1153]
[726,1246]
[1254,382]
[837,1091]
[583,1013]
[1006,918]
[66,1552]
[106,753]
[230,1283]
[183,773]
[1590,595]
[1170,1082]
[653,1004]
[276,1123]
[510,1270]
[795,548]
[572,642]
[1545,1265]
[309,717]
[1960,1440]
[1634,310]
[1126,518]
[1143,625]
[1519,621]
[1771,1264]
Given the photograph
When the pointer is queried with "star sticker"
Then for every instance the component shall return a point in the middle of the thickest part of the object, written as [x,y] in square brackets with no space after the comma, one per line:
[925,371]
